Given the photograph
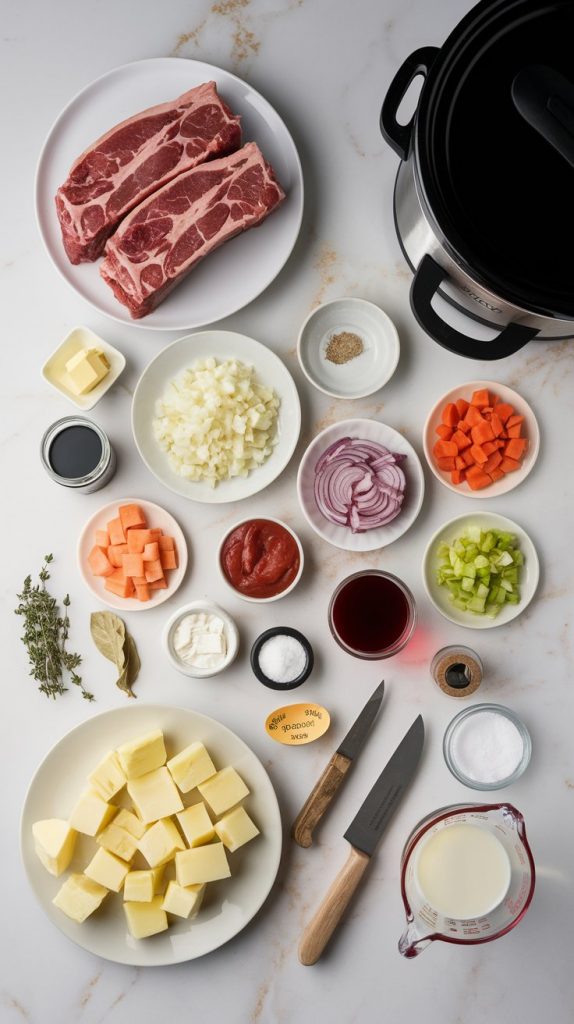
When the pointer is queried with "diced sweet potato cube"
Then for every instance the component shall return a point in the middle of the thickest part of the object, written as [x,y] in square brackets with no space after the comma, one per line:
[99,562]
[139,581]
[482,432]
[125,589]
[168,559]
[514,431]
[132,515]
[159,584]
[102,539]
[153,571]
[516,447]
[166,543]
[477,478]
[143,592]
[116,531]
[115,552]
[467,457]
[133,565]
[151,552]
[464,426]
[137,540]
[488,447]
[459,463]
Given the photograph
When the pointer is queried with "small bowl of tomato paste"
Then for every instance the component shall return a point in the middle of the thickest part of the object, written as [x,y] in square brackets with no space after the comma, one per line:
[261,559]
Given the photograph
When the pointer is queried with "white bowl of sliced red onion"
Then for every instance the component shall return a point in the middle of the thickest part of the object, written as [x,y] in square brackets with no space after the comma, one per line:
[360,484]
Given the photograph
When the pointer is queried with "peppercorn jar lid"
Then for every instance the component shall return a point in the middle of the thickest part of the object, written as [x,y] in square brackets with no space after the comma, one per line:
[286,666]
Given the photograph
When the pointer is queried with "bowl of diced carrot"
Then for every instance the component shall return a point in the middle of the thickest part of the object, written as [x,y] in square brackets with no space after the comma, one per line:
[481,439]
[132,555]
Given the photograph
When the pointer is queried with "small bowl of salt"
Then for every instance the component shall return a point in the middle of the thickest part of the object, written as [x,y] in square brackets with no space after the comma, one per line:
[282,658]
[487,746]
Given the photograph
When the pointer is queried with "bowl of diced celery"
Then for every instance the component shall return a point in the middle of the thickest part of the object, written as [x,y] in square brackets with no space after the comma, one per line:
[480,570]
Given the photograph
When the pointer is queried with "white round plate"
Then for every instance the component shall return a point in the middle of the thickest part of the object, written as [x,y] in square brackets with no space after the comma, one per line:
[341,536]
[362,375]
[439,595]
[228,906]
[156,516]
[179,356]
[237,272]
[529,430]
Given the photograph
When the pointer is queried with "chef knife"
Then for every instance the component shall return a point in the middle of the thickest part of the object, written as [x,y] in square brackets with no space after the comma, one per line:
[328,785]
[363,834]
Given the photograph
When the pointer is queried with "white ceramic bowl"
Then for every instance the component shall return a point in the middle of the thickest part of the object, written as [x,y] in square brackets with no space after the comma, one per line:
[362,375]
[529,430]
[231,635]
[261,600]
[438,595]
[341,536]
[79,338]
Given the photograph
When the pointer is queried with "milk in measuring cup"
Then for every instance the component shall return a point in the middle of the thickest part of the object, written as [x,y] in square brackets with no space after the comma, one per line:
[463,871]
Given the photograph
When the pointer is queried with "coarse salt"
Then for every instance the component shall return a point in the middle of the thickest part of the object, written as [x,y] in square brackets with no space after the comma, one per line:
[282,658]
[487,747]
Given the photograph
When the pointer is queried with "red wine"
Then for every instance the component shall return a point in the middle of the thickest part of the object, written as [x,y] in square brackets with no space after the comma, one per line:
[371,613]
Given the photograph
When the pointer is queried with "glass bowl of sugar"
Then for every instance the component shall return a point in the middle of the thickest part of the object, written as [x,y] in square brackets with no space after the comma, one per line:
[487,746]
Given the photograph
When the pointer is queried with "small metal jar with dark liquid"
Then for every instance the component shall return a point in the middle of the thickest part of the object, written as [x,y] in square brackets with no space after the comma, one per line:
[77,453]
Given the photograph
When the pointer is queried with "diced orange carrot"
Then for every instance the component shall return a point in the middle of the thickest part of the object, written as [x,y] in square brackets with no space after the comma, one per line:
[496,474]
[166,544]
[489,447]
[464,426]
[125,589]
[486,411]
[158,584]
[492,462]
[151,552]
[515,448]
[132,516]
[115,552]
[513,420]
[450,415]
[444,432]
[482,432]
[169,559]
[138,581]
[499,443]
[472,417]
[459,462]
[444,449]
[446,464]
[480,398]
[476,478]
[153,571]
[514,431]
[99,562]
[460,440]
[509,465]
[457,476]
[156,532]
[116,531]
[133,565]
[496,424]
[137,540]
[478,454]
[504,410]
[143,592]
[467,457]
[102,539]
[461,407]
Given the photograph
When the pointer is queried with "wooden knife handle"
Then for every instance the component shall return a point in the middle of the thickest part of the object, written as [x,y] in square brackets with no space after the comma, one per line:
[327,917]
[319,799]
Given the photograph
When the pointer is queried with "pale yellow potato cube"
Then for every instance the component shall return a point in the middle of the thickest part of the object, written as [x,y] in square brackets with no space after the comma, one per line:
[118,840]
[155,795]
[161,842]
[235,829]
[139,887]
[223,790]
[140,756]
[146,918]
[202,864]
[108,778]
[183,901]
[191,766]
[54,842]
[91,813]
[79,897]
[107,869]
[132,824]
[158,879]
[196,825]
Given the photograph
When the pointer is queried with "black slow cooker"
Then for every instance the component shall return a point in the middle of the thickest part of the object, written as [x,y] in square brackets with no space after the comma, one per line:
[484,195]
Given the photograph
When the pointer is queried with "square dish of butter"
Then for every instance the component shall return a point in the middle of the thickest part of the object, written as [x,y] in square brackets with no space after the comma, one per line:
[83,367]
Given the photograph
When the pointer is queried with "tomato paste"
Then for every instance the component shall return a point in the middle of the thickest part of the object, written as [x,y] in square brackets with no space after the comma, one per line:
[260,558]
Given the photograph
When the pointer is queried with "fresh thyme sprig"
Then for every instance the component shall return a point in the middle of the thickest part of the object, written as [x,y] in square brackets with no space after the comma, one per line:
[45,634]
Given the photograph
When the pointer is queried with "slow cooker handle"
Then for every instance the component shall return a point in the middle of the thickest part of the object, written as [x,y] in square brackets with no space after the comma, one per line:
[428,277]
[399,135]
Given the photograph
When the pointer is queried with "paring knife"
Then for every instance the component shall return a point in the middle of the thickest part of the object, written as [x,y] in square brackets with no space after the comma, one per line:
[322,794]
[363,834]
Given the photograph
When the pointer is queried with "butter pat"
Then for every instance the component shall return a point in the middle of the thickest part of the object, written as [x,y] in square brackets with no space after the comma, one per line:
[129,822]
[155,795]
[225,789]
[118,840]
[107,869]
[91,813]
[139,887]
[183,901]
[235,829]
[196,825]
[79,897]
[146,918]
[161,842]
[54,842]
[140,756]
[203,864]
[190,767]
[85,369]
[108,778]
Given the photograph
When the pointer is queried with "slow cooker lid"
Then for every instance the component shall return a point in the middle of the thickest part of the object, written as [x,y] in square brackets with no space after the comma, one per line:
[495,150]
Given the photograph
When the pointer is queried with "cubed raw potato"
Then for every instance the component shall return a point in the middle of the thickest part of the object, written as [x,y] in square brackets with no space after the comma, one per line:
[161,842]
[196,825]
[108,778]
[107,869]
[202,864]
[146,918]
[225,789]
[91,813]
[131,823]
[142,755]
[191,766]
[183,901]
[54,842]
[235,829]
[118,840]
[158,879]
[139,887]
[154,795]
[79,897]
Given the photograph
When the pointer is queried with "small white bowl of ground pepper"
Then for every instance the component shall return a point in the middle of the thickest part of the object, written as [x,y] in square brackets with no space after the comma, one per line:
[348,348]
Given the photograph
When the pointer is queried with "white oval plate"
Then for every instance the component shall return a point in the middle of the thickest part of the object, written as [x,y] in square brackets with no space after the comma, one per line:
[439,595]
[228,906]
[241,269]
[530,431]
[341,536]
[156,516]
[179,356]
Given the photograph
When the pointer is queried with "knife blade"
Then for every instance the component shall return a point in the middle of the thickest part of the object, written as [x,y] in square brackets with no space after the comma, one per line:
[364,834]
[330,781]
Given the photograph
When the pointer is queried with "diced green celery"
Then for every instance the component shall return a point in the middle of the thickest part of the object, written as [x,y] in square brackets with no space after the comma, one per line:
[512,598]
[459,548]
[473,533]
[481,562]
[459,567]
[488,542]
[467,584]
[505,558]
[476,604]
[500,595]
[469,570]
[507,585]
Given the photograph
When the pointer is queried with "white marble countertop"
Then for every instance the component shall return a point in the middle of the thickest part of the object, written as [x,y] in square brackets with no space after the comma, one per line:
[325,65]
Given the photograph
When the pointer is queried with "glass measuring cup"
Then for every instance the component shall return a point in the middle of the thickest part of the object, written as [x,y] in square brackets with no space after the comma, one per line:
[424,923]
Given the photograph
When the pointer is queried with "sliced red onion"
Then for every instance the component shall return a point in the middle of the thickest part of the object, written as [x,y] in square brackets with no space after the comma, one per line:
[359,484]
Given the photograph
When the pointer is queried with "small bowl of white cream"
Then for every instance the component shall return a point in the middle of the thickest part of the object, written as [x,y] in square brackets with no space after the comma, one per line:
[201,639]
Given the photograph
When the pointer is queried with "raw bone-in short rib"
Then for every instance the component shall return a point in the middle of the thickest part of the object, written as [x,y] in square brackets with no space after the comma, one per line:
[136,158]
[159,242]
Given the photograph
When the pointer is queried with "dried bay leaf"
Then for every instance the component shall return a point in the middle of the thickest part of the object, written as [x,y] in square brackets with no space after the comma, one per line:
[131,668]
[109,635]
